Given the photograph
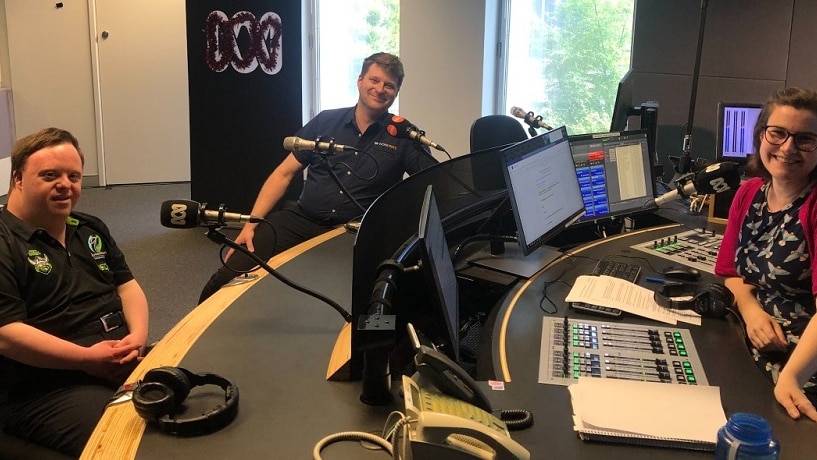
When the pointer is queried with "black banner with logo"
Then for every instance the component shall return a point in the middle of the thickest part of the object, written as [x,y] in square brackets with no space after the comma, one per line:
[244,72]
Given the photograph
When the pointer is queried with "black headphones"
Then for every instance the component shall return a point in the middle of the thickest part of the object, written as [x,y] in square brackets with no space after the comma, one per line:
[163,390]
[712,300]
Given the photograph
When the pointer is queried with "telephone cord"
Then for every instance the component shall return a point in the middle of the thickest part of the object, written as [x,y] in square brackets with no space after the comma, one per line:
[516,419]
[350,436]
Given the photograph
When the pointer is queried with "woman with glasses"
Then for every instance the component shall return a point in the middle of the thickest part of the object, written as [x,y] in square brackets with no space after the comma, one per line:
[768,256]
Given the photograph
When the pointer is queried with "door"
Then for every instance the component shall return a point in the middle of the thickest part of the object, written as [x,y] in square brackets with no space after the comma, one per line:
[143,96]
[50,72]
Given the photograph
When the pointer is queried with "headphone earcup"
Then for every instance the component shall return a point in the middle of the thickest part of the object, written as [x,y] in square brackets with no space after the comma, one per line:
[713,301]
[160,392]
[720,299]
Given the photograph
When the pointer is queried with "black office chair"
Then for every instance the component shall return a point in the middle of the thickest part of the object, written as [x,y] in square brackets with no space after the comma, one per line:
[495,130]
[490,132]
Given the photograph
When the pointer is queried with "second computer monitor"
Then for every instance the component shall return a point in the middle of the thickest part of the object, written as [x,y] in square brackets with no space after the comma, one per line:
[735,130]
[438,270]
[542,187]
[614,172]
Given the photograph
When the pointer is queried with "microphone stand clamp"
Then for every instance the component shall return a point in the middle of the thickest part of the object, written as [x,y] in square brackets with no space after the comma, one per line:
[530,120]
[220,220]
[532,131]
[681,181]
[329,150]
[420,133]
[535,122]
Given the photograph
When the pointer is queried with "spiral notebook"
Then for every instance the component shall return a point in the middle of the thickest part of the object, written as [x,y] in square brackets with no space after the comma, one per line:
[647,413]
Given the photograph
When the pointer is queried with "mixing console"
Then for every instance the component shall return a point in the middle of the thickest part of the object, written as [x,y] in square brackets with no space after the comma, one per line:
[572,348]
[693,248]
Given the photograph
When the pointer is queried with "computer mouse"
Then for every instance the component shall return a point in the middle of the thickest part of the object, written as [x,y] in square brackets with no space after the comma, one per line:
[682,273]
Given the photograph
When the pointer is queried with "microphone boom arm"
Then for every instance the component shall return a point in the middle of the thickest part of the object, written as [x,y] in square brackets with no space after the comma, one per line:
[219,238]
[683,164]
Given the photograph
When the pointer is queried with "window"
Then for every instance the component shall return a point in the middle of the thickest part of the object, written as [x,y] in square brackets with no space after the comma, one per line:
[348,31]
[564,59]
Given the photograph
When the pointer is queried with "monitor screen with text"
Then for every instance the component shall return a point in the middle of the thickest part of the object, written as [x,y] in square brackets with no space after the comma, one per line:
[542,187]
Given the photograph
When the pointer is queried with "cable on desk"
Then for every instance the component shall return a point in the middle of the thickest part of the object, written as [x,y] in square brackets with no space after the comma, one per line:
[572,255]
[516,419]
[392,427]
[542,307]
[394,422]
[350,436]
[545,287]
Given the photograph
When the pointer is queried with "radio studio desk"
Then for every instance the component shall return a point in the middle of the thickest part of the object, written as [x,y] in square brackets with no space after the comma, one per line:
[275,344]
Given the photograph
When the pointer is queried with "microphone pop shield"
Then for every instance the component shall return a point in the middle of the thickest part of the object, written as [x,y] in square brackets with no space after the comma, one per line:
[717,178]
[180,214]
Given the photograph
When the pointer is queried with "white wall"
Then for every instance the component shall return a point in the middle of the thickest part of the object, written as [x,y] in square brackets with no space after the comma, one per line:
[441,46]
[51,66]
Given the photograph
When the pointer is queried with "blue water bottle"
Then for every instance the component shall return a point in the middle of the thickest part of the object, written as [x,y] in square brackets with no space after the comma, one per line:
[746,437]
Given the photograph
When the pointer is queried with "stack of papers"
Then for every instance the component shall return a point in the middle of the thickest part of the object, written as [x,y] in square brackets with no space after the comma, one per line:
[646,413]
[614,292]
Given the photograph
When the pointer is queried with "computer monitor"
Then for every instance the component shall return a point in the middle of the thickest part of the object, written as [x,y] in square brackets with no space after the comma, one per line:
[615,173]
[735,130]
[623,106]
[438,271]
[544,197]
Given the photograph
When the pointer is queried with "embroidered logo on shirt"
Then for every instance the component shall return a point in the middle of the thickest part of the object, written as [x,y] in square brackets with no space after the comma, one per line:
[95,244]
[39,261]
[385,145]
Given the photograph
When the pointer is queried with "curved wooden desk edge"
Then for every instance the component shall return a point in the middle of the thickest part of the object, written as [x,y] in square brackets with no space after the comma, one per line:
[339,362]
[119,431]
[506,317]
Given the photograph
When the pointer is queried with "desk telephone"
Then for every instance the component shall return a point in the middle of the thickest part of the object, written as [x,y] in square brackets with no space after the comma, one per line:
[454,422]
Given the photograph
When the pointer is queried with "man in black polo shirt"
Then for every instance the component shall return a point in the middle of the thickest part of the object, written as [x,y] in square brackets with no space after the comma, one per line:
[73,320]
[323,203]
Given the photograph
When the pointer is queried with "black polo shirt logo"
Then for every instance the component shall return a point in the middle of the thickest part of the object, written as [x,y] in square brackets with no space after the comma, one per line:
[97,247]
[39,261]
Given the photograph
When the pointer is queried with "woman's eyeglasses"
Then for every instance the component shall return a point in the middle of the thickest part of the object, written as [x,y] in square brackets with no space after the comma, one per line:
[806,142]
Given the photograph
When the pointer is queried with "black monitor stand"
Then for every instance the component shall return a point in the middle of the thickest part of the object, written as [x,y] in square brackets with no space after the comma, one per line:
[513,261]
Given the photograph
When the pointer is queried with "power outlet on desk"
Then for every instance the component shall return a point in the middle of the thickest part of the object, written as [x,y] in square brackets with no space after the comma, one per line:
[377,330]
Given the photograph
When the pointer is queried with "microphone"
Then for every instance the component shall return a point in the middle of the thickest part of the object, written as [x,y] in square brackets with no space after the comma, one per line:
[529,118]
[293,143]
[191,214]
[401,128]
[715,178]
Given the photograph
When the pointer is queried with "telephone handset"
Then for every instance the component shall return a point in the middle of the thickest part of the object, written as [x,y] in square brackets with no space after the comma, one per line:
[449,377]
[454,422]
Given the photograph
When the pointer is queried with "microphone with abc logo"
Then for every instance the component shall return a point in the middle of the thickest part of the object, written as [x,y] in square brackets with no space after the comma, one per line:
[191,214]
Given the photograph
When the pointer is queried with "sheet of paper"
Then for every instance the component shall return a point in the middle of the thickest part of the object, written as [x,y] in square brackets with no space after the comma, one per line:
[614,292]
[654,409]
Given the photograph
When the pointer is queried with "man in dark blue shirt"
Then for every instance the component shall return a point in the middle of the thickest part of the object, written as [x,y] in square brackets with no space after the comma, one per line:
[338,187]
